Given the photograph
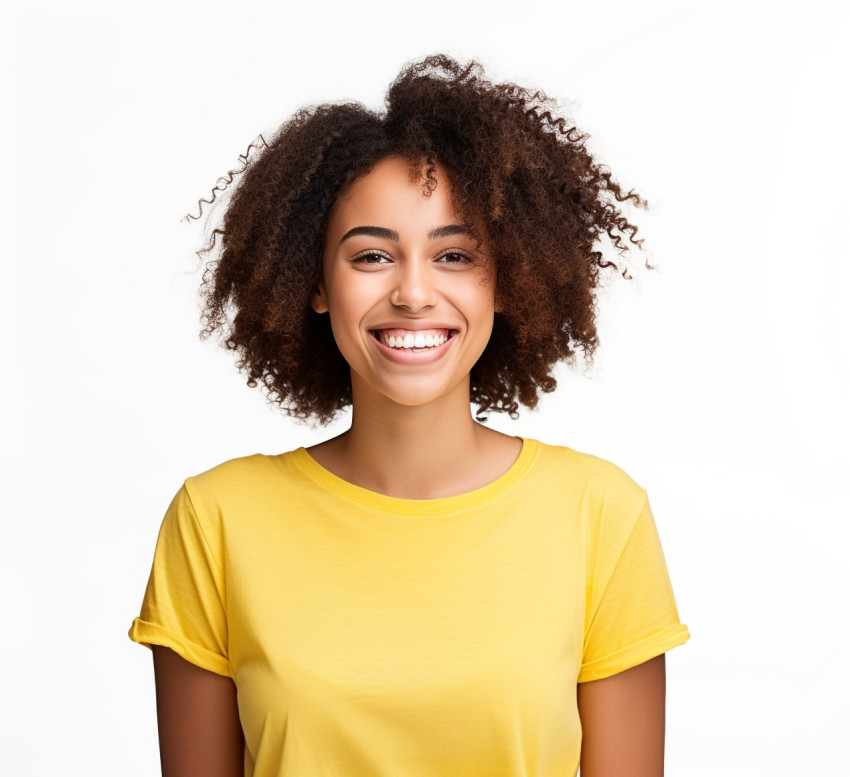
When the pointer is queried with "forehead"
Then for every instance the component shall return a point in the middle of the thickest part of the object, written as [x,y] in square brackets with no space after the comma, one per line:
[393,195]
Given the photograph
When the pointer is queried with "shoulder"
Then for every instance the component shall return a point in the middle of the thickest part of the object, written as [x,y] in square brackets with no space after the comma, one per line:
[234,472]
[585,469]
[606,501]
[241,482]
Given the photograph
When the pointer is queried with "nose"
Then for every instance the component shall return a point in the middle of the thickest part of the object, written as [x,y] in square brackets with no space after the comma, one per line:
[414,288]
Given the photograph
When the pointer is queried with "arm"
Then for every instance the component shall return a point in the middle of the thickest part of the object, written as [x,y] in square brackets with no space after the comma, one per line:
[199,730]
[622,720]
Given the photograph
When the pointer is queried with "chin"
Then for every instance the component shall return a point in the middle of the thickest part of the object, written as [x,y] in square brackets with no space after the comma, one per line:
[416,399]
[411,395]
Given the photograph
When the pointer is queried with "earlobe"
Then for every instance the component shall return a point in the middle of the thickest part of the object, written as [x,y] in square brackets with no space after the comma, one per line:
[319,300]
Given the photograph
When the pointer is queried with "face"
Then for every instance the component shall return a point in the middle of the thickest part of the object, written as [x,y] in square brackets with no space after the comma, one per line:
[409,293]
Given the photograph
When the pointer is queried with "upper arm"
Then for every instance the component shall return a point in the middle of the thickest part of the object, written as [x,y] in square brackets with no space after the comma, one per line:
[198,719]
[622,720]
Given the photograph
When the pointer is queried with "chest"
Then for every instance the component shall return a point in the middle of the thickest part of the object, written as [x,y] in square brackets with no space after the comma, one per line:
[343,602]
[331,621]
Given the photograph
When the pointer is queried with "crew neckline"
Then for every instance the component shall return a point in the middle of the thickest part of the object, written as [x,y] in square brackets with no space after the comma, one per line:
[393,504]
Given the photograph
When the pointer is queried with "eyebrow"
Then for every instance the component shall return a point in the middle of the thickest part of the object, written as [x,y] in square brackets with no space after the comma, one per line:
[381,232]
[390,234]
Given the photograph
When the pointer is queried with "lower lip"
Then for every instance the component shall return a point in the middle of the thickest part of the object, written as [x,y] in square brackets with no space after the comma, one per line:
[411,356]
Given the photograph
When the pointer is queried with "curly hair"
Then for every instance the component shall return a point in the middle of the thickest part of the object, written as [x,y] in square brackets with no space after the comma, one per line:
[514,166]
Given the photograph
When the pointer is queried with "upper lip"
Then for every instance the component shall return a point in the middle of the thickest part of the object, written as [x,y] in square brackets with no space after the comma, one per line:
[412,326]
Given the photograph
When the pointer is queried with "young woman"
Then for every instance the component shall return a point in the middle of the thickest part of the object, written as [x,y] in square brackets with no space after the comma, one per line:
[420,595]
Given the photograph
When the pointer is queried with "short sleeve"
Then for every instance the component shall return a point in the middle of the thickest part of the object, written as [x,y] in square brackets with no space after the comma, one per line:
[184,605]
[632,612]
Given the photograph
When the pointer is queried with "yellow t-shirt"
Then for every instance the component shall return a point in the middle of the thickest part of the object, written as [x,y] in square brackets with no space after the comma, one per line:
[374,636]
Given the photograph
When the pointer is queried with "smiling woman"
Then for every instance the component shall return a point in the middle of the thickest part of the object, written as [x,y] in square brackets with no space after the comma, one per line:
[420,595]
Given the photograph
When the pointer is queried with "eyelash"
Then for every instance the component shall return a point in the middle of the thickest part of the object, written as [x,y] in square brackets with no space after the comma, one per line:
[362,258]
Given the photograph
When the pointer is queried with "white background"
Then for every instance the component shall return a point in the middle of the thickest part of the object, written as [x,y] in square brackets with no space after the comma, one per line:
[721,383]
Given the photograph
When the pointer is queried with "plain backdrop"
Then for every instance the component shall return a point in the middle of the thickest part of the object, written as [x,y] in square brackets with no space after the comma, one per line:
[720,385]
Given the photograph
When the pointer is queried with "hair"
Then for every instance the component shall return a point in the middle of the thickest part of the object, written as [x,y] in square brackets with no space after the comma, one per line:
[514,166]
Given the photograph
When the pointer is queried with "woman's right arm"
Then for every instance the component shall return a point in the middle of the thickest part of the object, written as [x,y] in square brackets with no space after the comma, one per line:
[199,730]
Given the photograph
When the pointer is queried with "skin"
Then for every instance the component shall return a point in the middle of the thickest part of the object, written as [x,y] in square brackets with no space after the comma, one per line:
[622,721]
[198,719]
[411,425]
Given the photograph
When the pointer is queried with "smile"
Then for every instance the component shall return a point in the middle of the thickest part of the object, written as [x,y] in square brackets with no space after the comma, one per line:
[410,340]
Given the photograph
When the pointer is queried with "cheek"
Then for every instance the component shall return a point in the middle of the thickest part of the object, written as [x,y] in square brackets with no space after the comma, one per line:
[479,299]
[348,304]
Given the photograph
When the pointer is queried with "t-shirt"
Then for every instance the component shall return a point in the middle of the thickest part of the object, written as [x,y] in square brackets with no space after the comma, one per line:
[373,635]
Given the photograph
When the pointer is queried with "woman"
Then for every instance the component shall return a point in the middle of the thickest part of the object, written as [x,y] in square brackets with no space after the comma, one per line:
[420,595]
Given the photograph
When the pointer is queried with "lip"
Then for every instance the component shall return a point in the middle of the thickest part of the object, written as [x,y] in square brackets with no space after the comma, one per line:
[409,356]
[413,326]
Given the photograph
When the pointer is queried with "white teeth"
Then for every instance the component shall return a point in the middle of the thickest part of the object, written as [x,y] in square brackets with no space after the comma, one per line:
[414,341]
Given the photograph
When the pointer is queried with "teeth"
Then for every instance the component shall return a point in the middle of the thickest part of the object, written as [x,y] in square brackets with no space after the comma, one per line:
[414,341]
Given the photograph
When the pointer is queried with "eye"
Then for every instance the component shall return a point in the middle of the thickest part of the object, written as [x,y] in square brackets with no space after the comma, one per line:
[454,257]
[371,258]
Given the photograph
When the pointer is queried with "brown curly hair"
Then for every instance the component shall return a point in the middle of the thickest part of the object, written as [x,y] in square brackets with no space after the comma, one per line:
[514,166]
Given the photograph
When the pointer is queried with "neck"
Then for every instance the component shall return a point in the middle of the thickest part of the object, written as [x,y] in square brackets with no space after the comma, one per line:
[423,452]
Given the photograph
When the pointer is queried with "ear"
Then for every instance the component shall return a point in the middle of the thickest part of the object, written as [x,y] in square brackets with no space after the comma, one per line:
[319,300]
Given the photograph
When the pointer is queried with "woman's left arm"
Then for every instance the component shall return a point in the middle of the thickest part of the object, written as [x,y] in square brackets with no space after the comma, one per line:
[622,721]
